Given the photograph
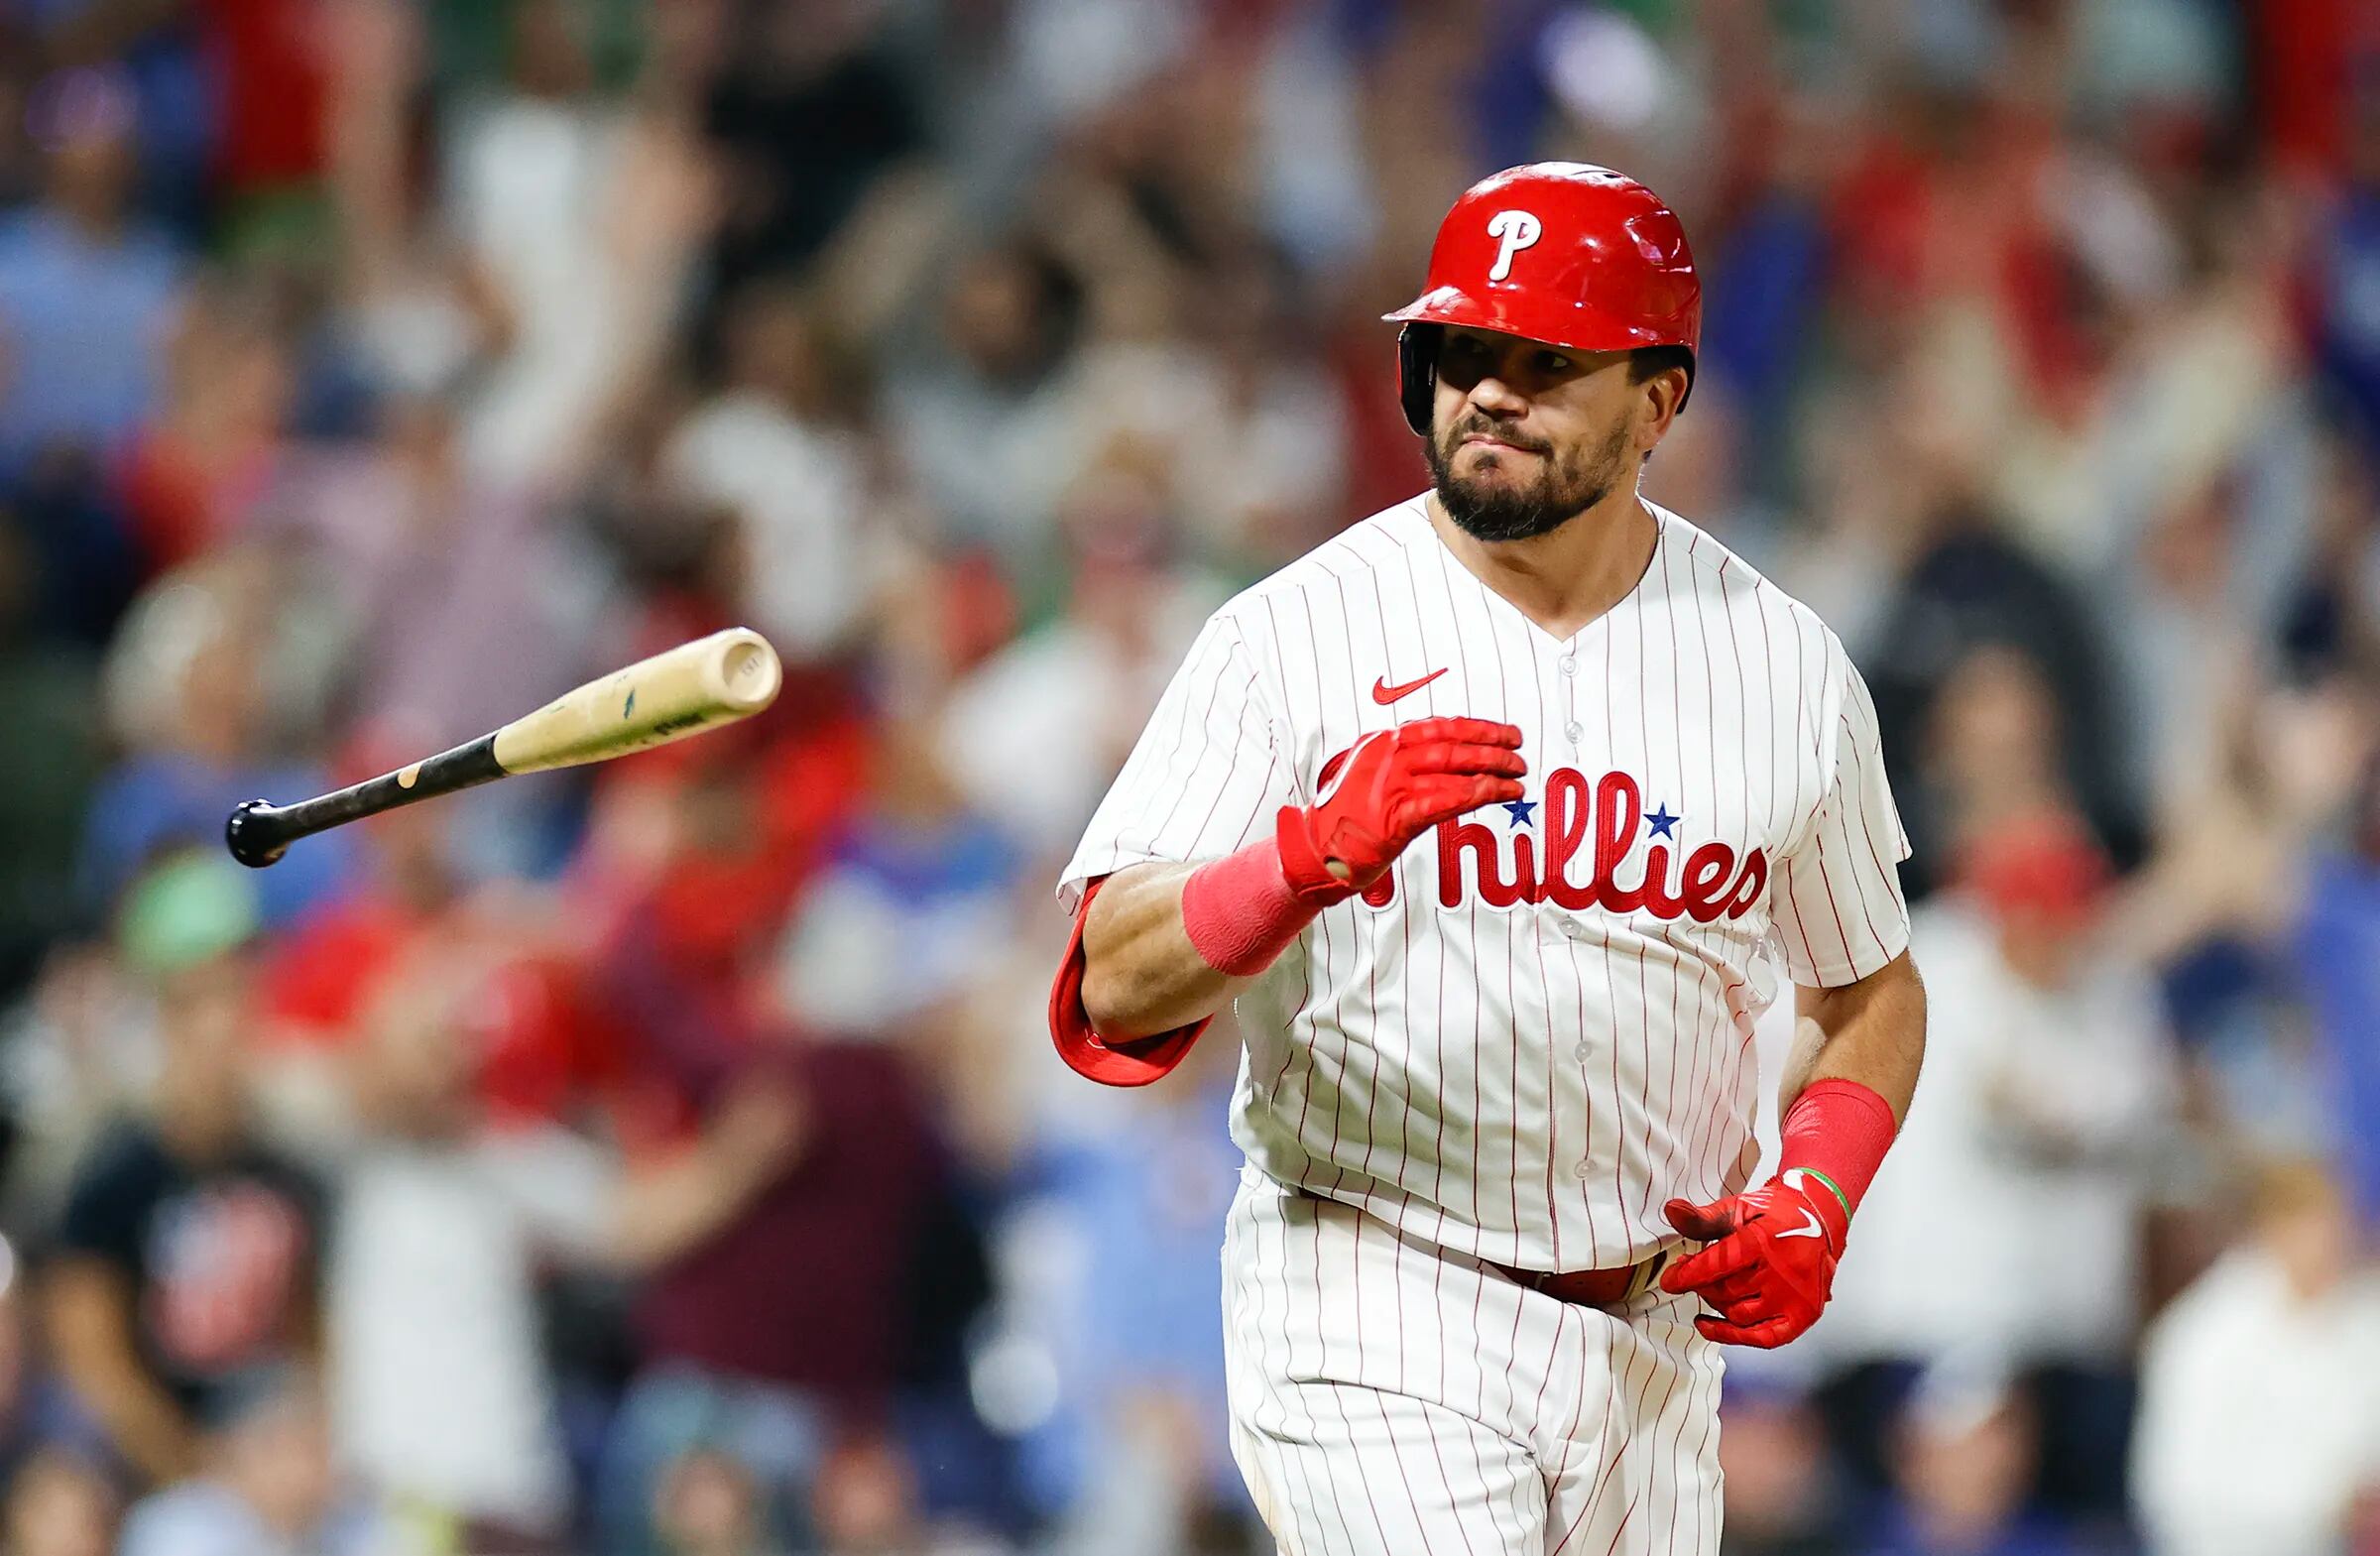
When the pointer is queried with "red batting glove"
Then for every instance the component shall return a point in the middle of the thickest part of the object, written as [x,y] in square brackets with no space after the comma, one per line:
[1395,785]
[1769,1265]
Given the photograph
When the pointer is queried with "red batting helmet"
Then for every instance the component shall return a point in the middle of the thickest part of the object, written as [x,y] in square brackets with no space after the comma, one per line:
[1563,252]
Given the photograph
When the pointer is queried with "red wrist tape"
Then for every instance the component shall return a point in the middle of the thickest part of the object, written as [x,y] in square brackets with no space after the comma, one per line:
[1239,912]
[1841,1131]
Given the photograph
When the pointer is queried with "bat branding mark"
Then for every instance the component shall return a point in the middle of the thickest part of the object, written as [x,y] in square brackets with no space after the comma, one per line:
[681,722]
[629,706]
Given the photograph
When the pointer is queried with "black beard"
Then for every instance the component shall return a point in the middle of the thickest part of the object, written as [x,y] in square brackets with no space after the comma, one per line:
[1567,487]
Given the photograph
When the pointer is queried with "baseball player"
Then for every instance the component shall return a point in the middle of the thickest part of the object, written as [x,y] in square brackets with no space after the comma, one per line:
[1493,816]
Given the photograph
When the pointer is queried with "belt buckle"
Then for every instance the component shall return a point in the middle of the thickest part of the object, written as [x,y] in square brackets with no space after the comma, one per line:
[1647,1273]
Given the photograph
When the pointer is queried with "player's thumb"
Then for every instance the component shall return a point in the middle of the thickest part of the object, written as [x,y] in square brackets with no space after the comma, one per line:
[1702,1223]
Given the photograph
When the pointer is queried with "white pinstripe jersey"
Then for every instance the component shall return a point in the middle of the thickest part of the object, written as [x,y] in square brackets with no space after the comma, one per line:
[1538,1027]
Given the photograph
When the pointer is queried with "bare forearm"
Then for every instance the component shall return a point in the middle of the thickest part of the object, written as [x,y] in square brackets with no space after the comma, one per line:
[1872,1032]
[88,1314]
[668,1209]
[1141,974]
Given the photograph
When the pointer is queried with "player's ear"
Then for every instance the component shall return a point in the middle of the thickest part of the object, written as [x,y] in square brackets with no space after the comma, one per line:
[1658,398]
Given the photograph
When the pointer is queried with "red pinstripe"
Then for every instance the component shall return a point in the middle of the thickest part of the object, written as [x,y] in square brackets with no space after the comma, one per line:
[1826,890]
[1867,832]
[1707,1392]
[1677,721]
[1514,926]
[1180,739]
[1345,1067]
[1437,1449]
[1231,767]
[1619,1152]
[1330,967]
[1635,1413]
[1607,1451]
[1785,873]
[1743,710]
[1405,955]
[1479,1304]
[1359,931]
[1322,1369]
[1644,997]
[1708,1041]
[1503,684]
[1471,918]
[1438,1023]
[1355,1454]
[1289,1352]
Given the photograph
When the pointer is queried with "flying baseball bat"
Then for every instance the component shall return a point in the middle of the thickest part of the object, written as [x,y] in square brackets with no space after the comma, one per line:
[698,685]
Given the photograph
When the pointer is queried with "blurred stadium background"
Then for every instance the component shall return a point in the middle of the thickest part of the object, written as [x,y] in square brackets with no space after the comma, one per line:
[670,1156]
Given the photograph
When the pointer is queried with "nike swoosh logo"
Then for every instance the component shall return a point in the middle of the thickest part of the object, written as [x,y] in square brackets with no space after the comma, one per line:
[1384,694]
[1814,1228]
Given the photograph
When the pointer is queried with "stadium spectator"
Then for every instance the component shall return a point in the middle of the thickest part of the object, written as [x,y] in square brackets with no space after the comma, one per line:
[1784,1497]
[198,687]
[271,1486]
[1032,734]
[440,1383]
[1965,1454]
[187,1256]
[2259,1429]
[2340,949]
[753,1342]
[2054,1089]
[85,280]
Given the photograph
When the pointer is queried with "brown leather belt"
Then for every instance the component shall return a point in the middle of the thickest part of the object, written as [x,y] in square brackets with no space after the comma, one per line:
[1594,1288]
[1584,1287]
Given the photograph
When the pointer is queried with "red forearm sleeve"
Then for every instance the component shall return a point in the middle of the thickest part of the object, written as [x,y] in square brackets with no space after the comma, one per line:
[1839,1130]
[1239,911]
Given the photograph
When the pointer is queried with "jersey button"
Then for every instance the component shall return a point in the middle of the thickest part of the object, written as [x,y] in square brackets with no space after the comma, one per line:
[1582,1168]
[1569,663]
[1573,729]
[1582,1053]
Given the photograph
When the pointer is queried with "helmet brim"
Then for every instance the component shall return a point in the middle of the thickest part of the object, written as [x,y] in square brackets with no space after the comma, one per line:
[1582,327]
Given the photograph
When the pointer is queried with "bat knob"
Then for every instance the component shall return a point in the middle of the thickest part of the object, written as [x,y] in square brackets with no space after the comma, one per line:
[244,834]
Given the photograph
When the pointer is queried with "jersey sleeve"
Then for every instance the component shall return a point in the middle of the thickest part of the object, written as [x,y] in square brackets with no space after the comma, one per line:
[1836,906]
[111,1194]
[1204,779]
[1205,776]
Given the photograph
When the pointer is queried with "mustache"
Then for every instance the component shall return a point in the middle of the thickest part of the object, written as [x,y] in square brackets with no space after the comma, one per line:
[1486,428]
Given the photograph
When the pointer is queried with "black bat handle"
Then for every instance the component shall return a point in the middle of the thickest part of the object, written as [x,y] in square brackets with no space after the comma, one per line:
[259,832]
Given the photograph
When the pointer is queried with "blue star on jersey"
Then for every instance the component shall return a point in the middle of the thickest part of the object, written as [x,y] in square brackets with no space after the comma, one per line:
[1661,821]
[1522,811]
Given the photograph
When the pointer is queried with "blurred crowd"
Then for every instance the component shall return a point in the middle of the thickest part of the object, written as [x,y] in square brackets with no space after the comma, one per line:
[669,1156]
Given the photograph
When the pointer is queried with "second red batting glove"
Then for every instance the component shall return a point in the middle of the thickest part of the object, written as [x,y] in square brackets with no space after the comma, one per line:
[1393,786]
[1768,1264]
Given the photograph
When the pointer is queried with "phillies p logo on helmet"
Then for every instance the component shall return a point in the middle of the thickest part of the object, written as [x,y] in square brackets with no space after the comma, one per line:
[1516,230]
[1608,270]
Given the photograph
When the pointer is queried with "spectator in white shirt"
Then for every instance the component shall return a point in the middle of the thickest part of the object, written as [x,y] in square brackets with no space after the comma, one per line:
[1033,734]
[768,449]
[2259,1424]
[443,1396]
[2050,1080]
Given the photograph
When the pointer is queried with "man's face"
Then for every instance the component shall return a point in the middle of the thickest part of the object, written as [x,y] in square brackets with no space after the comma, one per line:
[1524,436]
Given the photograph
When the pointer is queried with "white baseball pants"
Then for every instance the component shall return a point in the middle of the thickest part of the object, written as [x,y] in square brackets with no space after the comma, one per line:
[1390,1398]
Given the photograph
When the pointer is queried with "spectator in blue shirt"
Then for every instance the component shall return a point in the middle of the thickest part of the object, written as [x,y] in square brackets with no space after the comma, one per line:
[85,283]
[2339,947]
